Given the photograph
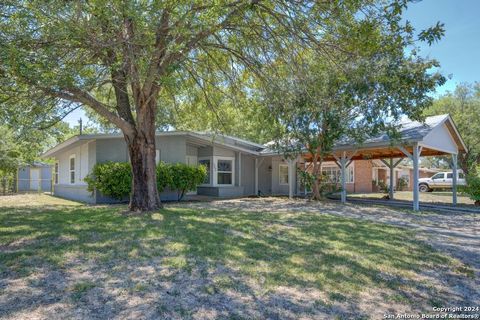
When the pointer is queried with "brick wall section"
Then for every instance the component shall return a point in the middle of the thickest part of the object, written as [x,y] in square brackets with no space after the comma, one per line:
[363,176]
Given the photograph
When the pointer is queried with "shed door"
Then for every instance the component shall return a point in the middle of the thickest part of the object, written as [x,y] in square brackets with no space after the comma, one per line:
[34,178]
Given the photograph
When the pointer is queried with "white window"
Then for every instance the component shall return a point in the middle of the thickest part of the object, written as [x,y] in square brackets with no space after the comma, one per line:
[72,169]
[206,162]
[55,173]
[334,174]
[283,174]
[225,171]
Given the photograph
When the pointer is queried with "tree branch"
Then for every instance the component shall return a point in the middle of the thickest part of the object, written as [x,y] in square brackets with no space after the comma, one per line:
[79,96]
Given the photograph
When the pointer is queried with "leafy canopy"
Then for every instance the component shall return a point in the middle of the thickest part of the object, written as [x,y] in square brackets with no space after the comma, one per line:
[189,57]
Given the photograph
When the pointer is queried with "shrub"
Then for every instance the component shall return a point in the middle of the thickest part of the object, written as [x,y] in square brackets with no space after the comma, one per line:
[472,189]
[113,179]
[185,178]
[382,187]
[402,184]
[163,176]
[306,178]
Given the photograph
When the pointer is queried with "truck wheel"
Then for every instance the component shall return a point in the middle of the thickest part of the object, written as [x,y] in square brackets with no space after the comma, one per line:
[423,187]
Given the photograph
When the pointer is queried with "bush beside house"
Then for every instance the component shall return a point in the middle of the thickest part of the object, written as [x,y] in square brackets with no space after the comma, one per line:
[114,179]
[472,188]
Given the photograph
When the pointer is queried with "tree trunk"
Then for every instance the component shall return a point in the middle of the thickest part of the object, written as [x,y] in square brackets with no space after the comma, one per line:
[141,148]
[316,190]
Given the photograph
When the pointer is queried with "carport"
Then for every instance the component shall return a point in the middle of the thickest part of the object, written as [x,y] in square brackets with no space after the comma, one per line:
[437,136]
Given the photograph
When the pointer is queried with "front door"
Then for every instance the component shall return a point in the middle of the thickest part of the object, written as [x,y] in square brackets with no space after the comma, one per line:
[34,179]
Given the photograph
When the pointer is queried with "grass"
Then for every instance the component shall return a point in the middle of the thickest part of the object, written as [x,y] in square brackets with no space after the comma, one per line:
[80,288]
[340,258]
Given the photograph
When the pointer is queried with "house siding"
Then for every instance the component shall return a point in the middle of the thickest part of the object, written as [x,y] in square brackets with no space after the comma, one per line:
[74,192]
[265,176]
[242,186]
[248,175]
[111,150]
[276,187]
[83,166]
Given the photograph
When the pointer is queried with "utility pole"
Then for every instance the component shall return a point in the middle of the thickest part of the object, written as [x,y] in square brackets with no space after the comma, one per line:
[81,126]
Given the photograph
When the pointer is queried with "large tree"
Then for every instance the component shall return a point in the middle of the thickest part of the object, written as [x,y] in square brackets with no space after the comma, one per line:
[124,59]
[318,103]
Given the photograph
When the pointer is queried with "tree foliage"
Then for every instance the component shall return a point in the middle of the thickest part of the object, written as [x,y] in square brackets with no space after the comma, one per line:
[472,188]
[10,152]
[319,103]
[463,105]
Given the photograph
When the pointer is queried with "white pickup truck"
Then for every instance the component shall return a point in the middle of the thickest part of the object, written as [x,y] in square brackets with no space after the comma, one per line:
[441,180]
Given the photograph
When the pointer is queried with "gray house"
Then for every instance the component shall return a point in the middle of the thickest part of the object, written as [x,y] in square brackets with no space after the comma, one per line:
[241,168]
[35,177]
[235,167]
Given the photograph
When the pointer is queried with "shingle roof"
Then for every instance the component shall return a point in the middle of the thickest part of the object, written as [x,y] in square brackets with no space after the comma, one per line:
[408,130]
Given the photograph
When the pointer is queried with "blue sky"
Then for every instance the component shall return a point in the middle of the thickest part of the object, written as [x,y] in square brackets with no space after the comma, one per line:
[458,52]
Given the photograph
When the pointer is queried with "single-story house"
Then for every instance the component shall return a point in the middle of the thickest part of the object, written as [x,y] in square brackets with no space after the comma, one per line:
[230,162]
[237,167]
[36,176]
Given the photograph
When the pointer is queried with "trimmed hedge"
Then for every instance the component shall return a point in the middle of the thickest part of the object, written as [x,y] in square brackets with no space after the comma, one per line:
[114,179]
[183,178]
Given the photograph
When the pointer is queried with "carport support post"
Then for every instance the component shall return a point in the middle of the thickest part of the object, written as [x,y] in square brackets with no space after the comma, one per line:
[291,175]
[415,157]
[256,176]
[392,173]
[391,166]
[454,179]
[343,162]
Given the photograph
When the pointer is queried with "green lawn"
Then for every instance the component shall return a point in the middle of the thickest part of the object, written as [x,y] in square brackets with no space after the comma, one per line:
[259,254]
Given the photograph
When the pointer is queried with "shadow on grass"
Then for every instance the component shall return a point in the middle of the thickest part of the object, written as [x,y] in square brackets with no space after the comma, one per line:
[258,252]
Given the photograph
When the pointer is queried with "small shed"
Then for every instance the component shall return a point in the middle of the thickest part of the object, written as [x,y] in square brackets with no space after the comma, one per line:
[36,176]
